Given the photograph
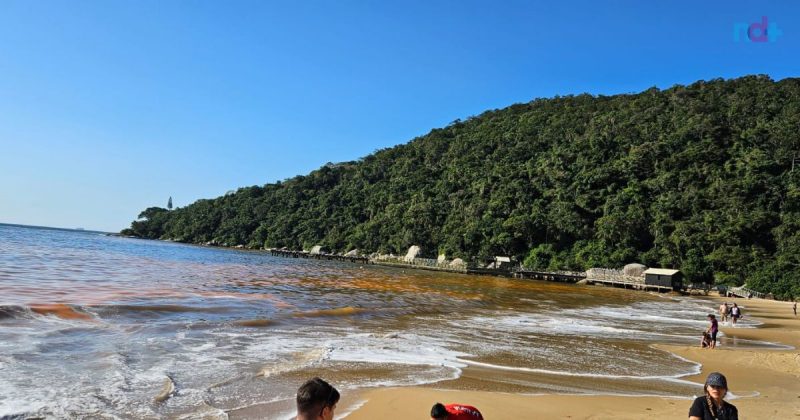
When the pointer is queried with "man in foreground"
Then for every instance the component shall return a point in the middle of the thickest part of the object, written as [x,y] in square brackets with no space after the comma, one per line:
[455,412]
[316,400]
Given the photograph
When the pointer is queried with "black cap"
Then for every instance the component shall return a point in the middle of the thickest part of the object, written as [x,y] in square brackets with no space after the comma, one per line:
[717,379]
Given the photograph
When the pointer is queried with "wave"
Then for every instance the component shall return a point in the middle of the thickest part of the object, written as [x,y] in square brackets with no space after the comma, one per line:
[13,312]
[87,313]
[255,323]
[297,361]
[671,378]
[164,308]
[60,310]
[167,390]
[344,311]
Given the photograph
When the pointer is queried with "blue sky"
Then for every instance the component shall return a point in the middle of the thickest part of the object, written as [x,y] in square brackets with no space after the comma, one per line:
[109,107]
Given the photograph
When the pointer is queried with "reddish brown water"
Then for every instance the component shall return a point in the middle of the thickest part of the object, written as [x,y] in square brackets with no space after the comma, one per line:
[93,325]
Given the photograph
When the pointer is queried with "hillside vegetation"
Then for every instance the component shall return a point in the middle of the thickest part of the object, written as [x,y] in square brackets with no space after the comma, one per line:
[705,178]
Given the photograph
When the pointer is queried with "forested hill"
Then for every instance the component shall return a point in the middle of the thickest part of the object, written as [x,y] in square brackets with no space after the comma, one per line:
[705,178]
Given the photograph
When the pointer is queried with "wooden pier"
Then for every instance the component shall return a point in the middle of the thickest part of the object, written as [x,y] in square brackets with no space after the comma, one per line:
[602,277]
[559,276]
[318,256]
[627,284]
[744,292]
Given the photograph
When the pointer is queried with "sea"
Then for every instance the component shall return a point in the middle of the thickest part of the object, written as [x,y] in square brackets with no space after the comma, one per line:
[98,326]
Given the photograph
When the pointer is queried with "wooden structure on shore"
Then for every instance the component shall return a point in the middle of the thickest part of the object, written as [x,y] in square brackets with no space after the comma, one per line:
[594,276]
[665,277]
[318,256]
[559,276]
[420,263]
[744,292]
[436,265]
[617,278]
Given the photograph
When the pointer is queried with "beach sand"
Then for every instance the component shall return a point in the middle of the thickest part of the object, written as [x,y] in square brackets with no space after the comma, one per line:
[767,383]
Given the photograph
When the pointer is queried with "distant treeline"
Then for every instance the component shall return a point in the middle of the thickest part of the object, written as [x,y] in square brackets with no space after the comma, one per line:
[704,178]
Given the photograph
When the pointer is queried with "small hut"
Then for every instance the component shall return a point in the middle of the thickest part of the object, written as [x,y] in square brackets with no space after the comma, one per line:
[500,263]
[664,277]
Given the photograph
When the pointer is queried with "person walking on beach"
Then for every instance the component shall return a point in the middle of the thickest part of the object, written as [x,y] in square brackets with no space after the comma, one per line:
[712,330]
[711,406]
[440,411]
[723,311]
[736,313]
[316,400]
[794,308]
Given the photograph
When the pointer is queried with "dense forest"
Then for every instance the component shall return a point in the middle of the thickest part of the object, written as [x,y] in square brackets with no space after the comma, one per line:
[704,178]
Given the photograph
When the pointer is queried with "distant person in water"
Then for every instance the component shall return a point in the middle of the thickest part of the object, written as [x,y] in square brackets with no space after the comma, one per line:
[316,400]
[723,312]
[712,330]
[711,406]
[728,314]
[440,411]
[736,313]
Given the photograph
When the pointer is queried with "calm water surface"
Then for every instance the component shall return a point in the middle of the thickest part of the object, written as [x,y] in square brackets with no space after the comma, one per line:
[92,326]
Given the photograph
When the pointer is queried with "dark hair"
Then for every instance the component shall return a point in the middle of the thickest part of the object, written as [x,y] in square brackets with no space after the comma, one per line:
[314,395]
[438,411]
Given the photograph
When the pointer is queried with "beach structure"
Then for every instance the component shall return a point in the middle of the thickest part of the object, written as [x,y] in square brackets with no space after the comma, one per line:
[286,253]
[661,279]
[557,276]
[664,277]
[500,263]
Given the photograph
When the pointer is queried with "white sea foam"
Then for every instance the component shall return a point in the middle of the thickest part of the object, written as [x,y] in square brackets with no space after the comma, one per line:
[672,378]
[351,408]
[406,348]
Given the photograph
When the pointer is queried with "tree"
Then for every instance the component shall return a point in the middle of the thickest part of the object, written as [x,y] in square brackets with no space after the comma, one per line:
[169,203]
[695,177]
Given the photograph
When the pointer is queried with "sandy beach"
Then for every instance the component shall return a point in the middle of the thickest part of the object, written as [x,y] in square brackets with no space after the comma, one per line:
[766,383]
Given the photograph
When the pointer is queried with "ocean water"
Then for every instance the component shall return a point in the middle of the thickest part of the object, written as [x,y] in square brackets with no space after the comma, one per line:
[94,326]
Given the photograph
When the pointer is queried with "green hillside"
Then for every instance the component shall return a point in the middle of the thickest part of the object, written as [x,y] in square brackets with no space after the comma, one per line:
[705,178]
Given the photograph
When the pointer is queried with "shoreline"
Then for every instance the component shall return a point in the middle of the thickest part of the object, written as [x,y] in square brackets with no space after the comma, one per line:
[765,382]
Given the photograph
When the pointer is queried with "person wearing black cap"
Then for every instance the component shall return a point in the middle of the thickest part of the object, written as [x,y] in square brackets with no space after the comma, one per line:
[316,400]
[711,406]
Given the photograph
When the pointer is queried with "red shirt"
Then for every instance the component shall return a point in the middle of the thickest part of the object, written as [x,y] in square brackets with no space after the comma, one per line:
[462,412]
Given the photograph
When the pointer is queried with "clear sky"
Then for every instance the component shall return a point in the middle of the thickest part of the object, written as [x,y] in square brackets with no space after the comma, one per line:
[109,107]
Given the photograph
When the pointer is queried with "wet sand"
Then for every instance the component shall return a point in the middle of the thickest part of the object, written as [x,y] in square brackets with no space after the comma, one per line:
[766,382]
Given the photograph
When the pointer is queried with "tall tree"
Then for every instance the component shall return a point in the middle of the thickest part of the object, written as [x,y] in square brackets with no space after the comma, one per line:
[695,177]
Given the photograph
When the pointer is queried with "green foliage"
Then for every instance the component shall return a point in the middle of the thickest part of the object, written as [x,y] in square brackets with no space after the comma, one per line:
[700,177]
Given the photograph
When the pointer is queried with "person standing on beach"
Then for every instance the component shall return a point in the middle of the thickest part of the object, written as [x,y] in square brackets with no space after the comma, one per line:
[736,313]
[316,400]
[794,308]
[440,411]
[712,406]
[712,330]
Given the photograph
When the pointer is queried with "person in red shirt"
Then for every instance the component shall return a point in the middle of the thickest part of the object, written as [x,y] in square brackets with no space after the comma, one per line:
[455,412]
